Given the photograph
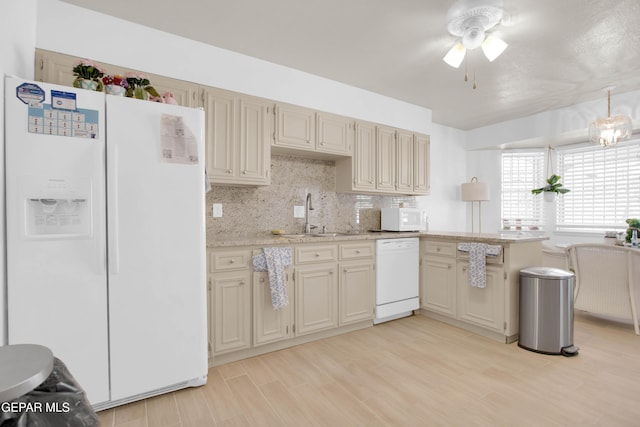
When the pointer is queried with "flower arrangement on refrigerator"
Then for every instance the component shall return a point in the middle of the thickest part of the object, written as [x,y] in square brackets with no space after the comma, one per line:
[88,75]
[139,86]
[115,85]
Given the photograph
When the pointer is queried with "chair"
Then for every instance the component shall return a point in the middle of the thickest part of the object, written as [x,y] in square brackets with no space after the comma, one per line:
[607,280]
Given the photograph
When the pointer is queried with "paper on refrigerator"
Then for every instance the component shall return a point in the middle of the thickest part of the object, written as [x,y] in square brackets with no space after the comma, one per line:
[178,143]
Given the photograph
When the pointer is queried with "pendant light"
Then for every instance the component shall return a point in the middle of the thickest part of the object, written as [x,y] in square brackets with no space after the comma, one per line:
[610,130]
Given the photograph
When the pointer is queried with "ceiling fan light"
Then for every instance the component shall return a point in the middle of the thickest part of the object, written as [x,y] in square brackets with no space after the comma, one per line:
[611,130]
[455,55]
[493,47]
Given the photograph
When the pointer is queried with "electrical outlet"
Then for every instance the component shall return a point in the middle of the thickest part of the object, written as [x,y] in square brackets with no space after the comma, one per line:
[217,210]
[298,211]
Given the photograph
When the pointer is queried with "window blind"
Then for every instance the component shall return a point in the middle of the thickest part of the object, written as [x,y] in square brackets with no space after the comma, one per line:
[604,184]
[522,172]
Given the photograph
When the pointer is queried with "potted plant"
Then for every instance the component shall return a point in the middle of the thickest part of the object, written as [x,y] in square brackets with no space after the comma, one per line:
[115,85]
[88,75]
[552,188]
[139,86]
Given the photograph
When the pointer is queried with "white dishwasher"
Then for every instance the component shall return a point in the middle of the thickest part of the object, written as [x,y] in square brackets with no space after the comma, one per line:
[397,270]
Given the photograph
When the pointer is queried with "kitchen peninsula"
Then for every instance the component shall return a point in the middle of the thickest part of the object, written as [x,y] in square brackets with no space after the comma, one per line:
[331,285]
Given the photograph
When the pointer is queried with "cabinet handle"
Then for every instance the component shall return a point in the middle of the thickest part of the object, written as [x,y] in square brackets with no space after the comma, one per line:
[229,170]
[345,270]
[357,251]
[308,141]
[449,266]
[437,249]
[262,280]
[322,143]
[317,254]
[241,282]
[244,172]
[232,261]
[370,181]
[331,272]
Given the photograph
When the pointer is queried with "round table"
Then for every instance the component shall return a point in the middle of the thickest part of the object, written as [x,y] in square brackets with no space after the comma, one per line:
[22,368]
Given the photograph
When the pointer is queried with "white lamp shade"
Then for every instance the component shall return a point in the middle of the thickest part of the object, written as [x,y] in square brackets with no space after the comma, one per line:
[455,55]
[475,191]
[493,47]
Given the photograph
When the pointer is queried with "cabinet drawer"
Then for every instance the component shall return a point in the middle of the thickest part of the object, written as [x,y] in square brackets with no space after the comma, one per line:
[356,250]
[440,248]
[229,261]
[312,254]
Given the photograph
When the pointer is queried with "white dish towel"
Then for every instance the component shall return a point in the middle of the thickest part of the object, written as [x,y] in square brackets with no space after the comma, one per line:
[275,261]
[478,253]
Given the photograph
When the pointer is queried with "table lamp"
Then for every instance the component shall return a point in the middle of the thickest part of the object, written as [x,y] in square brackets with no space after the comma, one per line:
[475,191]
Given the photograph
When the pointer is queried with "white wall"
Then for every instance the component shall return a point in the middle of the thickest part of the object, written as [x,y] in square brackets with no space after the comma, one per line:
[115,41]
[18,33]
[448,170]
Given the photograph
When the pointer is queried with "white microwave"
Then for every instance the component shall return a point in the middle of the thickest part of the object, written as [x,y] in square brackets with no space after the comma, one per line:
[402,219]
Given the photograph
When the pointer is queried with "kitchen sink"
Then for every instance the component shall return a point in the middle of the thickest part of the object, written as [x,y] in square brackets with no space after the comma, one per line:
[301,235]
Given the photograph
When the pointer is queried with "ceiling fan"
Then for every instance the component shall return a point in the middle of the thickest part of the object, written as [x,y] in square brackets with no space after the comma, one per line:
[471,20]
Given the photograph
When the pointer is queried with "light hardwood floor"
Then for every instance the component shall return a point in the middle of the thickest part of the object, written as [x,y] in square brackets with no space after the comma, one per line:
[413,372]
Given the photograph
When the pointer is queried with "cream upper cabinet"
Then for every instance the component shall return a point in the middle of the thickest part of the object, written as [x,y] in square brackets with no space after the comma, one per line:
[237,134]
[404,175]
[334,134]
[295,128]
[57,68]
[358,173]
[386,154]
[422,160]
[385,161]
[312,133]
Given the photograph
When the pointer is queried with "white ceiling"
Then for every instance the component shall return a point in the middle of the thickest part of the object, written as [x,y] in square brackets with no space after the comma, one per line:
[561,52]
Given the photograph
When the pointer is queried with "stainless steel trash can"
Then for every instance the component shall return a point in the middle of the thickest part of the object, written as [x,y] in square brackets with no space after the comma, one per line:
[546,311]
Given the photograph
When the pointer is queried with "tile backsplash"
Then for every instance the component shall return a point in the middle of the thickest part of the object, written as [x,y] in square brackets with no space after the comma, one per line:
[252,210]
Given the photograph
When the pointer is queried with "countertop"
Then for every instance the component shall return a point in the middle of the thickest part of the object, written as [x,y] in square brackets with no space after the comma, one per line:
[268,239]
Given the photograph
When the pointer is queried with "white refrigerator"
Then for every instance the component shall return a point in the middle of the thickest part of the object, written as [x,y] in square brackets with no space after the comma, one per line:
[106,237]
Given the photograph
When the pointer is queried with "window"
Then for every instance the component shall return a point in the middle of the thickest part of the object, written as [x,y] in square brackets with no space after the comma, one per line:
[522,172]
[604,184]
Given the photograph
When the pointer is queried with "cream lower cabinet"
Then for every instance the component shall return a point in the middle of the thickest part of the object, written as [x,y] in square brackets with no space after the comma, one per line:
[229,282]
[330,288]
[270,325]
[446,295]
[357,282]
[438,292]
[316,288]
[482,306]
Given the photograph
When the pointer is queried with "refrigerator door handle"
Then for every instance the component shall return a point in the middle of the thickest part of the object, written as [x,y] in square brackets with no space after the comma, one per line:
[114,226]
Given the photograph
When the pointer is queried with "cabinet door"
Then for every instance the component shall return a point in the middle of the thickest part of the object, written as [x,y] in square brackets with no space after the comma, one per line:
[220,134]
[269,325]
[253,144]
[356,292]
[364,157]
[295,128]
[334,134]
[386,159]
[404,174]
[316,295]
[438,284]
[421,156]
[482,306]
[232,311]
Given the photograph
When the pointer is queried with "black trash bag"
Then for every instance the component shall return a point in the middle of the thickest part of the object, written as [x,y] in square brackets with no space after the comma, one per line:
[58,402]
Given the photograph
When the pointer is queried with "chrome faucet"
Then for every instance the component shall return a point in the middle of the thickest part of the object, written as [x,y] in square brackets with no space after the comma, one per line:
[308,206]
